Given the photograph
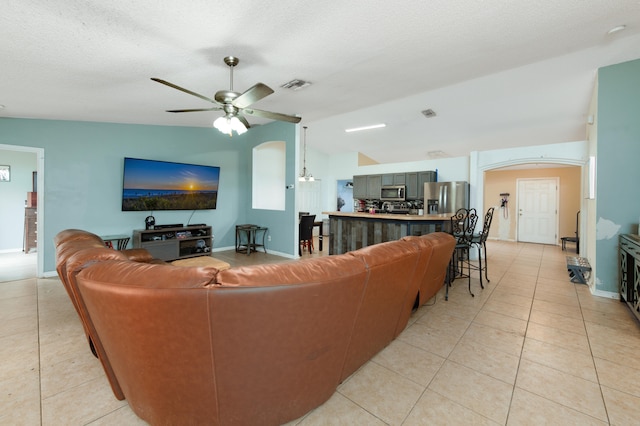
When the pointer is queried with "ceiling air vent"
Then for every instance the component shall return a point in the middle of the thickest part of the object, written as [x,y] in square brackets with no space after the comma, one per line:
[295,84]
[429,113]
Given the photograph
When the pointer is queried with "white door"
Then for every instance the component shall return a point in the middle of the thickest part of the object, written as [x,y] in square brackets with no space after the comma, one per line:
[538,210]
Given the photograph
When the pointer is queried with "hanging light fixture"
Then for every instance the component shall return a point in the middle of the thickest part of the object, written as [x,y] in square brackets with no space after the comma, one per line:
[304,176]
[228,123]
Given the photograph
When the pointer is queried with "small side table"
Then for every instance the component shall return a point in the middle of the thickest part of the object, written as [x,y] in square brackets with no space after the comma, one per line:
[248,243]
[120,241]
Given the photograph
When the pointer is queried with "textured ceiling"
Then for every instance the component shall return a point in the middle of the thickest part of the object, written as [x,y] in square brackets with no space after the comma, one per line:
[498,73]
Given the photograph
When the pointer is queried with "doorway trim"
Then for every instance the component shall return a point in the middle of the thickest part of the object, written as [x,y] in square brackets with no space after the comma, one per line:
[40,211]
[576,158]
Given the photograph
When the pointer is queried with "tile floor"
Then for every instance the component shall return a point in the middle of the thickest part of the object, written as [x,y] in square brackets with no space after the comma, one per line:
[530,349]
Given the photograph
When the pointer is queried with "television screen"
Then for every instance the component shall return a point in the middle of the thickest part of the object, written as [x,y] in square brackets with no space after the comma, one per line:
[149,185]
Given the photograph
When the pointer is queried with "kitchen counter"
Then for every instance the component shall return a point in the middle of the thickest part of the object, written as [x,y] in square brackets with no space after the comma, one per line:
[393,216]
[351,231]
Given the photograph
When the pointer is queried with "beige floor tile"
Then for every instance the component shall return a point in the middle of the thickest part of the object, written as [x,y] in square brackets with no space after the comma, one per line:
[600,334]
[618,376]
[579,364]
[513,299]
[69,373]
[611,319]
[18,354]
[19,325]
[501,322]
[430,339]
[119,417]
[508,309]
[557,308]
[528,409]
[444,321]
[476,391]
[563,388]
[614,352]
[409,361]
[504,341]
[91,401]
[435,410]
[486,360]
[564,339]
[451,307]
[516,289]
[383,393]
[570,301]
[20,399]
[561,322]
[623,409]
[338,411]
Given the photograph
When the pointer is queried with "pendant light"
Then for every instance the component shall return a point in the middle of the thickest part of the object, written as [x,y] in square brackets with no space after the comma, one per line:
[304,176]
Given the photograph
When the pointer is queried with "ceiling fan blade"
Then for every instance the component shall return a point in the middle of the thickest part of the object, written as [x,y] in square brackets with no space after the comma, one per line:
[195,109]
[166,83]
[252,95]
[272,115]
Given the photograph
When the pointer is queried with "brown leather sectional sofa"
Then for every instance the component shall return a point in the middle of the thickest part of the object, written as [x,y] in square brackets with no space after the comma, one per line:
[262,344]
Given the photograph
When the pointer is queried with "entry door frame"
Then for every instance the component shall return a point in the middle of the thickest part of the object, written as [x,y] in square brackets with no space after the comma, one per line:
[519,200]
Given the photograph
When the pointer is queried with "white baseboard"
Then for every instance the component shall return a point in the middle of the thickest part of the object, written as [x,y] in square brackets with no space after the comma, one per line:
[607,294]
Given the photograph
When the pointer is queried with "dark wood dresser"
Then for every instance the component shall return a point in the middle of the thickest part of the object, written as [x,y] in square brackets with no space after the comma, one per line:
[30,229]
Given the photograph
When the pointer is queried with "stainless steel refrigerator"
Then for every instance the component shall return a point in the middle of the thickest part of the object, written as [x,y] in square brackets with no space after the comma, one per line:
[445,197]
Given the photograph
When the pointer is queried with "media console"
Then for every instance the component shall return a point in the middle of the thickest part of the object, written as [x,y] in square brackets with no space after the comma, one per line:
[175,243]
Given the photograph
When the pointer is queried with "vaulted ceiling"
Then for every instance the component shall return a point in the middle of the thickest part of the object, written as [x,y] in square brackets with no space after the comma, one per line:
[497,73]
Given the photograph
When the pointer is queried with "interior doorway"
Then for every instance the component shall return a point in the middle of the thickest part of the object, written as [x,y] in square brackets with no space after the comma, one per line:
[18,211]
[538,210]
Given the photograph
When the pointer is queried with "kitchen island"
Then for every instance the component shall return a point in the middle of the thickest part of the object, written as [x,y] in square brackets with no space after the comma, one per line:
[351,231]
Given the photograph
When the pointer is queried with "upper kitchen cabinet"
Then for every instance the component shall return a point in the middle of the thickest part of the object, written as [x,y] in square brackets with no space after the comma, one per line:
[360,187]
[423,177]
[394,179]
[374,183]
[367,186]
[411,181]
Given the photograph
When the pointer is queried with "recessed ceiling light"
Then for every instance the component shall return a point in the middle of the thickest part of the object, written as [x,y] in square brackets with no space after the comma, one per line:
[616,29]
[357,129]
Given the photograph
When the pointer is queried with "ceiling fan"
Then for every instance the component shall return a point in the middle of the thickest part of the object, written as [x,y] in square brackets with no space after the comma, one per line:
[234,104]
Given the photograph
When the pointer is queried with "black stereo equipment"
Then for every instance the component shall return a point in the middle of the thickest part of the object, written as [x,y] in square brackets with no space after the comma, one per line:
[175,225]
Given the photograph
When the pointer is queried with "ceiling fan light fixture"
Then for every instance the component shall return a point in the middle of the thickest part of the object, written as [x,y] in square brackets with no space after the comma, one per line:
[227,125]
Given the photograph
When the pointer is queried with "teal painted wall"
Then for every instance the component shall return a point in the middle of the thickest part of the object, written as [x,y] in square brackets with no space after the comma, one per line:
[618,174]
[83,173]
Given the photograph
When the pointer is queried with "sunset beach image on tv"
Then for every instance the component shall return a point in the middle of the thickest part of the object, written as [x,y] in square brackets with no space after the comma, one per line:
[149,185]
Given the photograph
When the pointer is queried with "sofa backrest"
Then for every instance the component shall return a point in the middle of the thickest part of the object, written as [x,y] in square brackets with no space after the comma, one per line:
[391,287]
[442,245]
[226,347]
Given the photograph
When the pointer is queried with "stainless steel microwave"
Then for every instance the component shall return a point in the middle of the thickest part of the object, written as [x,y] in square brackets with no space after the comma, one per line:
[393,193]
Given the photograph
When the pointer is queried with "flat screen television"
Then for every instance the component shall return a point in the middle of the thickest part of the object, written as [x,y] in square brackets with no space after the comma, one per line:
[149,185]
